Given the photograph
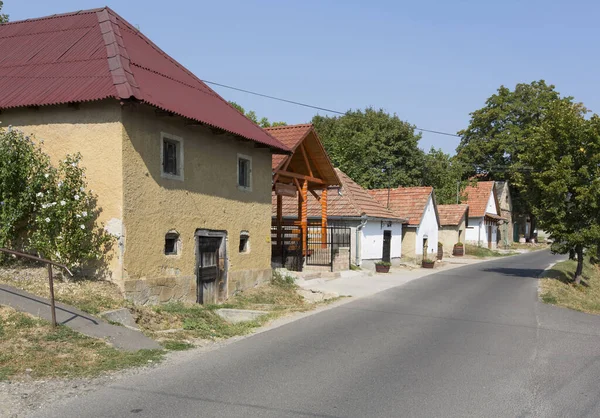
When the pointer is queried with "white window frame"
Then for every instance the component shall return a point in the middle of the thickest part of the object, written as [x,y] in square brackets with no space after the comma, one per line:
[179,140]
[237,171]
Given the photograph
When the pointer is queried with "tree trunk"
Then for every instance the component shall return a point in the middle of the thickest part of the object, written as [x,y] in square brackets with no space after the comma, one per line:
[579,270]
[572,254]
[532,227]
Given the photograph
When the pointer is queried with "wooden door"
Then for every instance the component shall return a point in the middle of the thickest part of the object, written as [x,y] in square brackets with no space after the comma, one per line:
[208,269]
[489,236]
[387,246]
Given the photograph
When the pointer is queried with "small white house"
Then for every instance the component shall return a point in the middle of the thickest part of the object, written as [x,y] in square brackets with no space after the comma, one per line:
[376,232]
[484,214]
[418,206]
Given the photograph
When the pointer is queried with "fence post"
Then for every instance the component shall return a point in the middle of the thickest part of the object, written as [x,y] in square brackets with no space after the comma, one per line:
[52,306]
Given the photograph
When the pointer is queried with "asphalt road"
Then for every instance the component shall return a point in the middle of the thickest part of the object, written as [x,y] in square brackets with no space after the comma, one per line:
[471,341]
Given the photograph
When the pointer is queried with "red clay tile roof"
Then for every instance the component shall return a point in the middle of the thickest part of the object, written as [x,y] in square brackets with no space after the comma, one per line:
[477,197]
[290,136]
[352,202]
[452,214]
[406,202]
[95,54]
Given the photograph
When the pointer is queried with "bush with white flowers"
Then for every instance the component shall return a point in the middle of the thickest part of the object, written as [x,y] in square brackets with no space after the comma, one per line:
[54,212]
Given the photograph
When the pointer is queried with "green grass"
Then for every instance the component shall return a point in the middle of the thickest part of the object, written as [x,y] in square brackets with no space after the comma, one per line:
[174,345]
[558,288]
[482,252]
[30,343]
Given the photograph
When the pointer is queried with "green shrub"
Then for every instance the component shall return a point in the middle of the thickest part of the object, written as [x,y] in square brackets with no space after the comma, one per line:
[383,263]
[45,209]
[277,279]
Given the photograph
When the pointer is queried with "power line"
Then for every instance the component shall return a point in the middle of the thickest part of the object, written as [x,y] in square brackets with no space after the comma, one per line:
[311,106]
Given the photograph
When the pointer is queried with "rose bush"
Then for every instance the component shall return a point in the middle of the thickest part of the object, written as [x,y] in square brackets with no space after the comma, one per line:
[47,210]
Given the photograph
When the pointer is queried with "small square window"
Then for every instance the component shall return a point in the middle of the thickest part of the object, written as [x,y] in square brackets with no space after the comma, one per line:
[171,153]
[244,174]
[171,244]
[244,242]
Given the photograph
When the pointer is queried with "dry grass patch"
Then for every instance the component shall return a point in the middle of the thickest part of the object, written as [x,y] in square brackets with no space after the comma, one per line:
[29,346]
[483,252]
[558,288]
[92,296]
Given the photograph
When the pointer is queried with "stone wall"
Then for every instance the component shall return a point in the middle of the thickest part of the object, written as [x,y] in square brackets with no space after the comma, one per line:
[341,261]
[247,279]
[161,290]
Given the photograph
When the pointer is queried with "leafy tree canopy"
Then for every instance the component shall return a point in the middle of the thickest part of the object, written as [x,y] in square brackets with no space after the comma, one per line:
[3,17]
[563,154]
[446,174]
[263,122]
[497,134]
[374,148]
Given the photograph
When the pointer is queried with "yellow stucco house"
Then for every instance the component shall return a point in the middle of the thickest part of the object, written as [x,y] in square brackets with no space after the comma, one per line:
[183,179]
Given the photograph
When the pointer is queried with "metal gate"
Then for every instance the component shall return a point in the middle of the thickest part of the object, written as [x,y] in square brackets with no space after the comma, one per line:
[324,244]
[286,247]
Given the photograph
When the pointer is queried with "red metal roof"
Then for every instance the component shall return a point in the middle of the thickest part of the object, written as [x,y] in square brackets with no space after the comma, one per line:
[95,54]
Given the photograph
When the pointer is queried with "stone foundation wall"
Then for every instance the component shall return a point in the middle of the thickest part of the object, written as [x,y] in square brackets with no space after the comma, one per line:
[161,290]
[247,279]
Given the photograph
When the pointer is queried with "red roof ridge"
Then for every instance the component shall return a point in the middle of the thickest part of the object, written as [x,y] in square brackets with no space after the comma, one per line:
[56,15]
[118,58]
[139,33]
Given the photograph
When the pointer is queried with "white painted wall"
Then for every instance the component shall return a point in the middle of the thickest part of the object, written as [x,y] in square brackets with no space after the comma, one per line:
[477,233]
[491,205]
[428,228]
[371,246]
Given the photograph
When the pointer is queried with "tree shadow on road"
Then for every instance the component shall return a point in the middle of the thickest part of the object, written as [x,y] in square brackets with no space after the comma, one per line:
[524,273]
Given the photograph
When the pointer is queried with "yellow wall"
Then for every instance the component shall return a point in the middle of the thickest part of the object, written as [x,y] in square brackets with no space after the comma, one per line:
[448,236]
[207,198]
[95,130]
[409,239]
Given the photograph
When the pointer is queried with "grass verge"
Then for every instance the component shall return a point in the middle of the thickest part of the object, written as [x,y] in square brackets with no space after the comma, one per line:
[482,252]
[558,288]
[30,346]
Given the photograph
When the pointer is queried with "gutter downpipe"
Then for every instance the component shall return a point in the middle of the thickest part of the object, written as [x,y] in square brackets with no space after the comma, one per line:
[359,228]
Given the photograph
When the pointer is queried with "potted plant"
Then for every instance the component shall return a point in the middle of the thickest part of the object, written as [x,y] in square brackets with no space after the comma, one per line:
[428,263]
[458,250]
[440,253]
[382,266]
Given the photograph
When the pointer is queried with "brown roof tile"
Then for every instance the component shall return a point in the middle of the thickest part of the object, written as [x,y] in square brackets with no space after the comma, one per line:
[407,202]
[477,197]
[291,136]
[352,201]
[452,214]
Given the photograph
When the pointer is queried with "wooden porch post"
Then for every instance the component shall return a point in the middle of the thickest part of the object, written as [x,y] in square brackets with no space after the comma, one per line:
[279,219]
[304,216]
[324,218]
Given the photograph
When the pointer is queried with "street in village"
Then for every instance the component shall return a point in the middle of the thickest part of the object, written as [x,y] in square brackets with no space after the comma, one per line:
[469,341]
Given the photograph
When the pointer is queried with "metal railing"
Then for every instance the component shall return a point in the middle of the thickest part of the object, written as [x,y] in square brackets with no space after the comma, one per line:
[50,276]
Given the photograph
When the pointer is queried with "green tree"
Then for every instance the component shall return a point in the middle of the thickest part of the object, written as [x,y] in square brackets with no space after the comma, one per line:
[374,148]
[564,180]
[497,134]
[446,174]
[3,17]
[251,114]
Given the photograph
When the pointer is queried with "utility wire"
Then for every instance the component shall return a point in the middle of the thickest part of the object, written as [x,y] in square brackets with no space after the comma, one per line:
[311,106]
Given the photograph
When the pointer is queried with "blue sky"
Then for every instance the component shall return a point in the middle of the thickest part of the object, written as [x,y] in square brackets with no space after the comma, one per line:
[430,62]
